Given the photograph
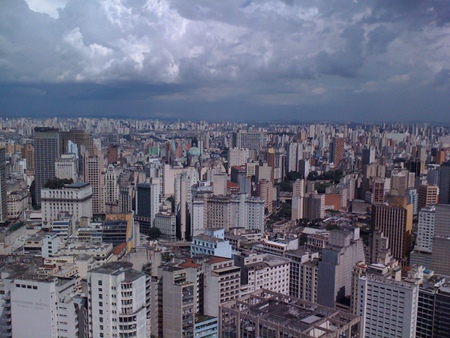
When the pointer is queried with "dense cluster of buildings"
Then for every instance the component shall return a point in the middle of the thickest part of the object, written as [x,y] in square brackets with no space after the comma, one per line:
[133,228]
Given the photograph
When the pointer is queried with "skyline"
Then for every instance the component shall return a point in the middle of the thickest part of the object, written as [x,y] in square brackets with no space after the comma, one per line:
[239,60]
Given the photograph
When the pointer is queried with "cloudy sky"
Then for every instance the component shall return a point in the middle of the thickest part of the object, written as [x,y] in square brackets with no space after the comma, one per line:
[341,60]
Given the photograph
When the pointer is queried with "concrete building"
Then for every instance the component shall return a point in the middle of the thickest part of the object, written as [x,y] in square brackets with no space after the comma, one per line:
[344,249]
[303,274]
[3,195]
[237,157]
[254,140]
[117,300]
[395,221]
[178,303]
[47,306]
[66,167]
[269,314]
[388,308]
[221,283]
[441,240]
[198,216]
[218,212]
[74,199]
[211,243]
[314,206]
[166,222]
[428,195]
[93,174]
[264,271]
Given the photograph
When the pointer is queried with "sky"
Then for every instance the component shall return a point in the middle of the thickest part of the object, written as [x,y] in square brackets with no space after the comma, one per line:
[226,60]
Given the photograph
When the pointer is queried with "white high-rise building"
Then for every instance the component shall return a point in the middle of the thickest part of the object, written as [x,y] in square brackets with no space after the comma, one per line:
[388,308]
[117,299]
[237,157]
[111,186]
[74,199]
[44,306]
[198,217]
[66,167]
[425,229]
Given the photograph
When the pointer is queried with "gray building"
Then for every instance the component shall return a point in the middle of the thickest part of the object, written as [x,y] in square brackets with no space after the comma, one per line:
[46,151]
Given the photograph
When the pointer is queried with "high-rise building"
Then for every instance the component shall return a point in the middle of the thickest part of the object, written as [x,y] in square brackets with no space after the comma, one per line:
[444,183]
[395,221]
[111,186]
[66,167]
[388,308]
[46,151]
[368,155]
[253,140]
[75,199]
[117,301]
[28,155]
[337,150]
[147,205]
[428,195]
[3,196]
[93,167]
[441,240]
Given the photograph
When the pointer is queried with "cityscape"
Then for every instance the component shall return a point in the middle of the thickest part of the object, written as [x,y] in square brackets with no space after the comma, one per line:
[224,169]
[149,228]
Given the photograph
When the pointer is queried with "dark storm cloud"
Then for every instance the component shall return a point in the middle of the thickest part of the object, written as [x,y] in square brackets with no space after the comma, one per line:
[225,57]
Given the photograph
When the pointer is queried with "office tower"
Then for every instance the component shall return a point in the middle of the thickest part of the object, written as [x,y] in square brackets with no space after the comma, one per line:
[395,221]
[74,199]
[433,174]
[303,274]
[239,176]
[117,301]
[380,189]
[267,191]
[412,198]
[265,313]
[388,308]
[314,206]
[428,195]
[113,153]
[304,168]
[344,249]
[111,186]
[126,198]
[441,240]
[28,155]
[46,307]
[399,183]
[81,138]
[266,271]
[3,196]
[223,282]
[46,151]
[368,155]
[178,303]
[237,157]
[166,222]
[93,166]
[444,183]
[441,156]
[147,205]
[66,167]
[218,212]
[434,308]
[198,216]
[337,150]
[253,140]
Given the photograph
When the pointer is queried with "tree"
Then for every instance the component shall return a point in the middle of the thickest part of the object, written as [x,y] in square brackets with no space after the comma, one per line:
[153,234]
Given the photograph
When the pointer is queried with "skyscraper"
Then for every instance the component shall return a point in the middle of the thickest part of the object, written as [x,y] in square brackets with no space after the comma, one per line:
[428,195]
[46,151]
[147,205]
[3,204]
[444,184]
[395,221]
[337,150]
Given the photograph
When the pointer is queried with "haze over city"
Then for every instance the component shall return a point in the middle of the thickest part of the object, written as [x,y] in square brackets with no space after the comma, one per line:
[254,60]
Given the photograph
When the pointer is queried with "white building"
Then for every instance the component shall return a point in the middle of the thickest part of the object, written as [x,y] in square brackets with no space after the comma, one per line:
[198,217]
[75,199]
[237,157]
[45,307]
[66,167]
[388,308]
[211,243]
[265,271]
[425,229]
[117,298]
